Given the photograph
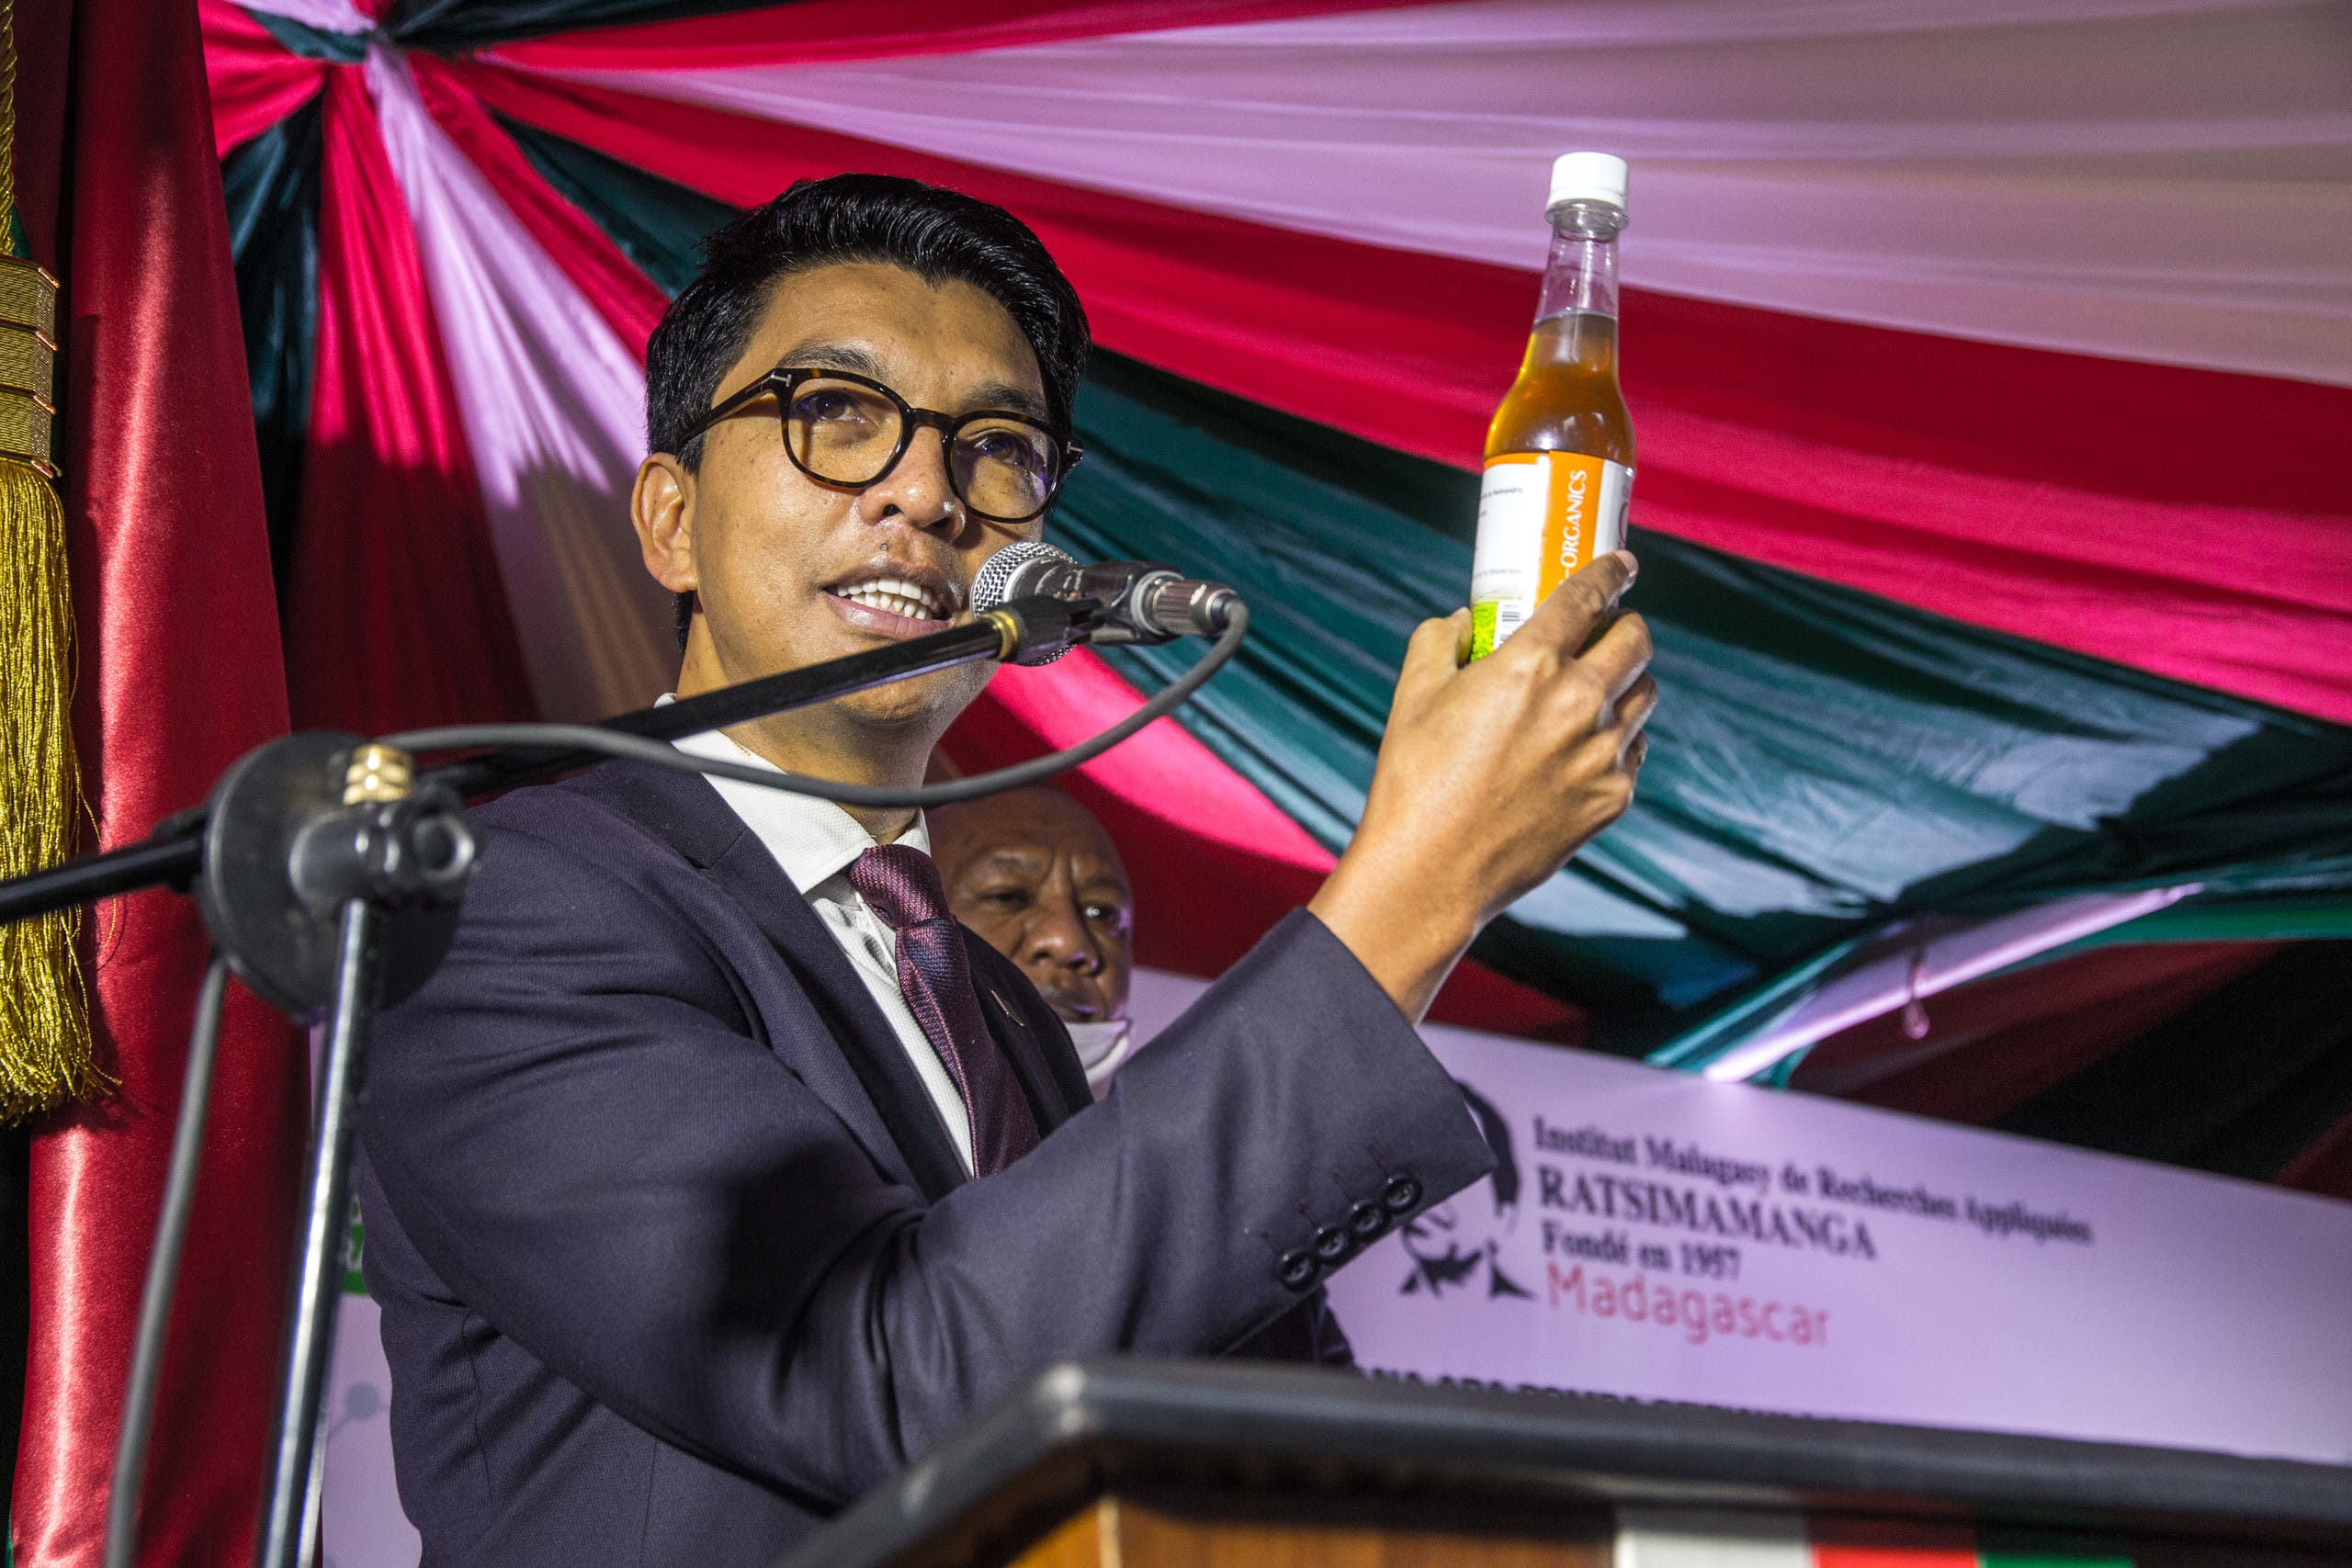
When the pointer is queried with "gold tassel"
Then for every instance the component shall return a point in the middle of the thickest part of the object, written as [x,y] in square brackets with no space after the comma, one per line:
[44,1023]
[44,1015]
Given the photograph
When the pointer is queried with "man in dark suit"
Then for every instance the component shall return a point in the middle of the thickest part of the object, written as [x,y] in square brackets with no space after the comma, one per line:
[719,1172]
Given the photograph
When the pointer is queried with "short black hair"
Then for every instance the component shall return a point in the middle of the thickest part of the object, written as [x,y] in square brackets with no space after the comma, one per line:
[940,235]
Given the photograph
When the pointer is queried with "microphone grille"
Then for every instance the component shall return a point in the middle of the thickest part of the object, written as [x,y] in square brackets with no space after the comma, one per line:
[994,582]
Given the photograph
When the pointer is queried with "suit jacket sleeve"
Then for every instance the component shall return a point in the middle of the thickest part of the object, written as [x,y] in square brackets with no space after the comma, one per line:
[577,1127]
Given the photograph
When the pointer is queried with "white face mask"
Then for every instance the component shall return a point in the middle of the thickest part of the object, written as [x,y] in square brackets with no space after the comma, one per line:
[1101,1048]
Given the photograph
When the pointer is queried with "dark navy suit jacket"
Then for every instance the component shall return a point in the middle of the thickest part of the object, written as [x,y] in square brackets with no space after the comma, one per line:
[675,1259]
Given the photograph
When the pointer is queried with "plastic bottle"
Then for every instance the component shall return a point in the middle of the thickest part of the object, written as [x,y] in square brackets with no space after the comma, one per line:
[1560,465]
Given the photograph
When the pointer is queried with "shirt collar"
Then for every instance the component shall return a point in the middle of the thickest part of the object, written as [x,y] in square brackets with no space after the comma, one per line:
[812,839]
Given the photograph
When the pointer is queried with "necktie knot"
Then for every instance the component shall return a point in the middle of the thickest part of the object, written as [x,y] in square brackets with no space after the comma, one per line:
[900,884]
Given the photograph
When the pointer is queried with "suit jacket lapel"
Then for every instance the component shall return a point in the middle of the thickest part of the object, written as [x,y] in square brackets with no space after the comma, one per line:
[1032,1038]
[872,1047]
[887,1104]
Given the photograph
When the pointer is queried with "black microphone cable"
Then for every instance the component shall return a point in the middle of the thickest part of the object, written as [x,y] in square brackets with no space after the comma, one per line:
[662,754]
[163,1268]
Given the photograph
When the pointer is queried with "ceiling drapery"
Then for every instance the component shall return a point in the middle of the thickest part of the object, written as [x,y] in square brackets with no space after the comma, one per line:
[1986,400]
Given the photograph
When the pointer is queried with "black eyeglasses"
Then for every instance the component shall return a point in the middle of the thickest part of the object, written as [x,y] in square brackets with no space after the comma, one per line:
[848,432]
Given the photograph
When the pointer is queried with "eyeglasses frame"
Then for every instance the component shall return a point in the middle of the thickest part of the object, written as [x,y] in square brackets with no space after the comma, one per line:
[784,380]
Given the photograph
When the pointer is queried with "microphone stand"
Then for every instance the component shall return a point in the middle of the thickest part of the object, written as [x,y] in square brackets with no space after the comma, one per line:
[330,872]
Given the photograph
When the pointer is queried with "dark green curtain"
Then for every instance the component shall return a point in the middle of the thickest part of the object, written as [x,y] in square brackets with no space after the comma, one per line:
[656,224]
[452,27]
[272,185]
[314,44]
[1825,761]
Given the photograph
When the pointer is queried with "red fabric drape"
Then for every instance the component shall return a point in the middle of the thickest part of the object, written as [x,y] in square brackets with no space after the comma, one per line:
[255,81]
[2028,491]
[179,672]
[396,614]
[857,29]
[2326,1166]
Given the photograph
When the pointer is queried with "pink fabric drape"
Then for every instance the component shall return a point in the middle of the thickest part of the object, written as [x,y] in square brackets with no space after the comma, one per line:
[2011,488]
[857,29]
[553,416]
[2006,487]
[631,303]
[2148,179]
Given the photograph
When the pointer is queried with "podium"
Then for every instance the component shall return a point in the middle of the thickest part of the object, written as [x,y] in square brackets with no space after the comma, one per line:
[1142,1464]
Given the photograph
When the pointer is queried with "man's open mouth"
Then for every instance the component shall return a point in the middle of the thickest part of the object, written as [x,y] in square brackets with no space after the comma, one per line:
[896,596]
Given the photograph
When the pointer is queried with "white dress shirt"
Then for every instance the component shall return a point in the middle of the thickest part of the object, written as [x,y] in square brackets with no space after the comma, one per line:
[815,842]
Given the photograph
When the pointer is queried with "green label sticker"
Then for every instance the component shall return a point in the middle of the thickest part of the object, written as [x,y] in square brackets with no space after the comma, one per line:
[1482,629]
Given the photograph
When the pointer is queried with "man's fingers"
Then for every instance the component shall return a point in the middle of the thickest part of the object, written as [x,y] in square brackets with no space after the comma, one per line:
[1636,752]
[1621,656]
[1634,709]
[1578,605]
[1434,652]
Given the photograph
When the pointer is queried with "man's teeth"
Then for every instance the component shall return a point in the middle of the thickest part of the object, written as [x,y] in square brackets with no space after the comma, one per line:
[894,594]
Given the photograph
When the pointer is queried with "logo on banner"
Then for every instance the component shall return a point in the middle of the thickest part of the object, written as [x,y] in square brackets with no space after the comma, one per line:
[1451,1252]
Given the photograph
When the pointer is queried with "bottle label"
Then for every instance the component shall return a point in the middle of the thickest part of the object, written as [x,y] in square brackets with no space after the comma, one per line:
[1541,515]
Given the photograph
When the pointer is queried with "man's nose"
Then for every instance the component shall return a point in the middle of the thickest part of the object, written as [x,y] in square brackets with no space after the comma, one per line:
[916,489]
[1062,937]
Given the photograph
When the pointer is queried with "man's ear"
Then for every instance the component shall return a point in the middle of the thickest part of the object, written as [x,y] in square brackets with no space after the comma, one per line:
[661,506]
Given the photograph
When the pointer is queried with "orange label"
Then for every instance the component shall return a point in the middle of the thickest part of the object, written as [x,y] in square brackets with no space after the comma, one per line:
[1572,522]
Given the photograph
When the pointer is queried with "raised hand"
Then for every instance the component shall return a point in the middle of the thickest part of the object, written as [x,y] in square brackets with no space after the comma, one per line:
[1490,776]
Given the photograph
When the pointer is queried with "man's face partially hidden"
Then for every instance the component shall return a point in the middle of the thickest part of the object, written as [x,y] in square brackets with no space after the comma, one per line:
[1036,876]
[780,561]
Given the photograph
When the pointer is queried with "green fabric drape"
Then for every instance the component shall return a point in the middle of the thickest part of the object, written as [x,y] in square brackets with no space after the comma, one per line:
[272,187]
[656,224]
[1823,761]
[452,27]
[314,44]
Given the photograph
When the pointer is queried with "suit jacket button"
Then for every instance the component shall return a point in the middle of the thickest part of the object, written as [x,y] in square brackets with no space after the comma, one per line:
[1331,1245]
[1366,1221]
[1297,1270]
[1403,1195]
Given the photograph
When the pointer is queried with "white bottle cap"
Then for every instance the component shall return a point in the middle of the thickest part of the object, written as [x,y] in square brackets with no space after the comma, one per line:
[1588,176]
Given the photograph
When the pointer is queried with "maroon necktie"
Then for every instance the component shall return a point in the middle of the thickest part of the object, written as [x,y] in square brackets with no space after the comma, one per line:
[901,885]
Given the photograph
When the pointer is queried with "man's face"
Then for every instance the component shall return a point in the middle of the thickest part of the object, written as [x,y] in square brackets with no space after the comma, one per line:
[1041,881]
[790,572]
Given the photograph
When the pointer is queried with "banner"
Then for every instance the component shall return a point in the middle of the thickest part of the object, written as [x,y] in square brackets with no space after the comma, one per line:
[1654,1236]
[1650,1235]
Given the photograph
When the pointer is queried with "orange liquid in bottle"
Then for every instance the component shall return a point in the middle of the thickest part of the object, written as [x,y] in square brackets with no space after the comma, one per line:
[1566,399]
[1559,461]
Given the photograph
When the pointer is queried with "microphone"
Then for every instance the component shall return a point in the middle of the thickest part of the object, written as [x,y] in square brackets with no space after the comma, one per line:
[1143,602]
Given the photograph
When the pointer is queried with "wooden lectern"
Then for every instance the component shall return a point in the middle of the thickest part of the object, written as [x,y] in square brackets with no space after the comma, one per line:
[1143,1464]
